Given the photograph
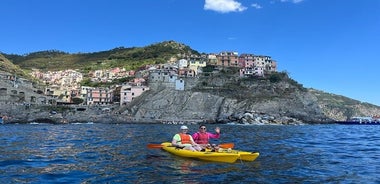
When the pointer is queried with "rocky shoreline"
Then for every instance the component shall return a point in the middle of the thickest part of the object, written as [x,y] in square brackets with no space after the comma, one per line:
[25,113]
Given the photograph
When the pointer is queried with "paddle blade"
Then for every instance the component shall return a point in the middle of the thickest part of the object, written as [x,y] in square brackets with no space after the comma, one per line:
[153,146]
[227,145]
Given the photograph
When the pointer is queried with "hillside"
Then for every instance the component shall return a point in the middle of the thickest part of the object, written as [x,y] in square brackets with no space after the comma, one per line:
[8,66]
[339,107]
[129,58]
[213,97]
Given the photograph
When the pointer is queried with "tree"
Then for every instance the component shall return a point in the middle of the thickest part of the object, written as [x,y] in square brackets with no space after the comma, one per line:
[77,100]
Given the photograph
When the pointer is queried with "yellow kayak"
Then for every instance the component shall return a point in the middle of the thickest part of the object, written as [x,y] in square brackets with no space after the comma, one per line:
[247,156]
[225,155]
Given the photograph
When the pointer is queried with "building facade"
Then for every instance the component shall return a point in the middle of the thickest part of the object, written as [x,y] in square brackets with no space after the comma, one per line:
[99,96]
[128,93]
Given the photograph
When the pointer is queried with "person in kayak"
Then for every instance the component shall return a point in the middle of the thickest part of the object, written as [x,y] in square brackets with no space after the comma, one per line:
[185,141]
[202,137]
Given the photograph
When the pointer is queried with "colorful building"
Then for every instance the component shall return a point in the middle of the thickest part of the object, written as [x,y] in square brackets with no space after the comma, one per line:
[128,93]
[99,96]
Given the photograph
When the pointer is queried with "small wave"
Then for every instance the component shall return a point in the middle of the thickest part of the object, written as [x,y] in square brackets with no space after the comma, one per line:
[88,123]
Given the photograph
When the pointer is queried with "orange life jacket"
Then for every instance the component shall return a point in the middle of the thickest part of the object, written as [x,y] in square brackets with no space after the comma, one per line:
[185,138]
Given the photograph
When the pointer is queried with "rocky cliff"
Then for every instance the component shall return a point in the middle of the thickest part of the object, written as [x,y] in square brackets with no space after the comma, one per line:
[219,97]
[224,98]
[213,99]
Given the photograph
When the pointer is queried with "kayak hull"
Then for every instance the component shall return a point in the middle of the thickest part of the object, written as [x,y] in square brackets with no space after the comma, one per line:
[248,156]
[227,156]
[207,155]
[244,155]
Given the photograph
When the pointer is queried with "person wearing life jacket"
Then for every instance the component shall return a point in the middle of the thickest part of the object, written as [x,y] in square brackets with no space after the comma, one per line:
[184,140]
[202,137]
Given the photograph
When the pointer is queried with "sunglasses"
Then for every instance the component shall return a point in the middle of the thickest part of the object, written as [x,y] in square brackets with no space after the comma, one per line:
[203,128]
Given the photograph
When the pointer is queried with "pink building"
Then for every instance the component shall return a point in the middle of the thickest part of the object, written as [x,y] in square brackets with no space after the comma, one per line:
[99,96]
[128,93]
[246,60]
[256,65]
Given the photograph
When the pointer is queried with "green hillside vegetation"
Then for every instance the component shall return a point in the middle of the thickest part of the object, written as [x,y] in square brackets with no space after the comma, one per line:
[7,66]
[128,58]
[336,100]
[346,105]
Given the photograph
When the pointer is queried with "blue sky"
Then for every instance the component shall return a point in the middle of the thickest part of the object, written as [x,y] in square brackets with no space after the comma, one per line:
[330,45]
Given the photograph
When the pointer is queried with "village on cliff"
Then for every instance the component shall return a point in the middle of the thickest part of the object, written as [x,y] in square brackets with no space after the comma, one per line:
[64,86]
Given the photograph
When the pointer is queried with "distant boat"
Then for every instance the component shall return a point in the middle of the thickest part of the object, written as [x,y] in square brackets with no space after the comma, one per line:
[360,121]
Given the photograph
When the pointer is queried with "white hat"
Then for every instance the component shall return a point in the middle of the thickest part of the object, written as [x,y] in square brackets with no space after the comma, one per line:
[183,127]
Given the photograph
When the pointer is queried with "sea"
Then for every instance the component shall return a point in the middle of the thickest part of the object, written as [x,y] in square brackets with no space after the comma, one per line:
[118,153]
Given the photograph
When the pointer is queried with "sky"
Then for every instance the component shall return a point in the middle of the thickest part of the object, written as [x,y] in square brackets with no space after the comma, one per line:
[329,45]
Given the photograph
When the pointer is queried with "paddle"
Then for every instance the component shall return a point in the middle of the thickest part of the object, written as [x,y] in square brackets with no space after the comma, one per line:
[227,145]
[223,145]
[154,146]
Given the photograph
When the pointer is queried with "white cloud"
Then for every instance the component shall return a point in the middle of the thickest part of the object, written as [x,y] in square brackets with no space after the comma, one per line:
[257,6]
[224,6]
[297,1]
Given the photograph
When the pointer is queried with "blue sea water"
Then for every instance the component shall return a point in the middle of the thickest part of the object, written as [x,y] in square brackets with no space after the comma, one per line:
[117,153]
